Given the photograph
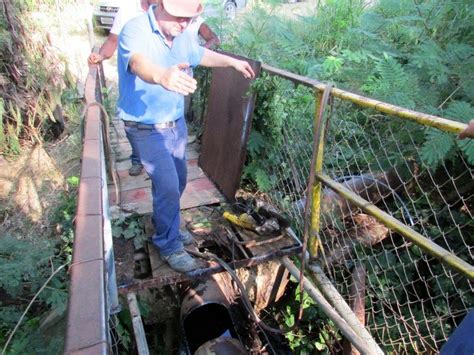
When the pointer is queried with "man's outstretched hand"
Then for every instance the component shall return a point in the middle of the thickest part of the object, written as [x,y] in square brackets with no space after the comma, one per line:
[468,132]
[177,79]
[245,68]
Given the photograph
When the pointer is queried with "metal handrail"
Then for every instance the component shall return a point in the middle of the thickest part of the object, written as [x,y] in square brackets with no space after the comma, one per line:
[419,117]
[431,248]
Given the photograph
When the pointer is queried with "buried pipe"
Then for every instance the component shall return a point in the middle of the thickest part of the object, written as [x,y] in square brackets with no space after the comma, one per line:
[206,320]
[366,345]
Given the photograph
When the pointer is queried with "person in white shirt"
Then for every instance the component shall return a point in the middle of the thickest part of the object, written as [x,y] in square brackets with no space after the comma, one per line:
[127,11]
[203,34]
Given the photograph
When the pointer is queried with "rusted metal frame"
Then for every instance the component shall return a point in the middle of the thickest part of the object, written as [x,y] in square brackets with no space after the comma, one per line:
[257,241]
[87,326]
[227,127]
[418,117]
[431,248]
[208,271]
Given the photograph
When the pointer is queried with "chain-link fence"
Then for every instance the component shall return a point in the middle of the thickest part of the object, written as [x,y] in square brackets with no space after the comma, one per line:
[412,301]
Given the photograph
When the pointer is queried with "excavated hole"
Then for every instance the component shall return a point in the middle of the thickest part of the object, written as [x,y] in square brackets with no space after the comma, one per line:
[206,323]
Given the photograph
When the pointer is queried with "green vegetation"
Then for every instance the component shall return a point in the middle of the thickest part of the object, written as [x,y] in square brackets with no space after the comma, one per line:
[414,54]
[130,228]
[33,78]
[316,333]
[26,263]
[38,105]
[408,53]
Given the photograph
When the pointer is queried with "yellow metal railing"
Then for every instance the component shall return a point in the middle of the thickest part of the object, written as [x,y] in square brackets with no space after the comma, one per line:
[431,248]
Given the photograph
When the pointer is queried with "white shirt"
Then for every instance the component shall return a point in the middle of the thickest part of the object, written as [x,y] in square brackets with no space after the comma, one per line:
[128,10]
[193,28]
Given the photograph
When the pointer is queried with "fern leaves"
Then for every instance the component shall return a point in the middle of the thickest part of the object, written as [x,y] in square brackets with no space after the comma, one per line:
[390,82]
[467,147]
[436,147]
[439,145]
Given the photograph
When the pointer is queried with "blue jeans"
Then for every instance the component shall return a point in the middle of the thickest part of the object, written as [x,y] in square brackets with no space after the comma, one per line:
[162,154]
[135,158]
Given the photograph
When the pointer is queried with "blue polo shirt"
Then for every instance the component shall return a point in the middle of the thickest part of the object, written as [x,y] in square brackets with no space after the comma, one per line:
[140,101]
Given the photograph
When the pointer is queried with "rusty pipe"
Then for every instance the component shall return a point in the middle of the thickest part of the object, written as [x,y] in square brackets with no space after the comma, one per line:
[205,314]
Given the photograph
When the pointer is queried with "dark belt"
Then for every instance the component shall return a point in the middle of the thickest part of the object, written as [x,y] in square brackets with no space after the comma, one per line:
[138,125]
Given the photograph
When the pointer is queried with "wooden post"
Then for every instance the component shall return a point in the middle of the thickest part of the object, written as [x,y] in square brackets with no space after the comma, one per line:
[142,345]
[357,302]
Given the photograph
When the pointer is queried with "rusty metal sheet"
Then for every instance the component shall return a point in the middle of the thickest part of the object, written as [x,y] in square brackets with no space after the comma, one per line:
[227,127]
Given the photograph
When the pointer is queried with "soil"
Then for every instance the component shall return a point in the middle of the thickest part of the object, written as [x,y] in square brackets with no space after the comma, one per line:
[124,264]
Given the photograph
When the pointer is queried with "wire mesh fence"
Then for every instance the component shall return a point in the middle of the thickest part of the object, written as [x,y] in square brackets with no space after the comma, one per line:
[412,301]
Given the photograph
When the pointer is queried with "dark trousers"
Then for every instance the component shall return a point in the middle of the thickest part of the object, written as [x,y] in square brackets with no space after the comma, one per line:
[162,153]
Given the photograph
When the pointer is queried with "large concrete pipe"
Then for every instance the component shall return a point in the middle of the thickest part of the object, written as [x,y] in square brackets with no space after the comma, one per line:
[205,316]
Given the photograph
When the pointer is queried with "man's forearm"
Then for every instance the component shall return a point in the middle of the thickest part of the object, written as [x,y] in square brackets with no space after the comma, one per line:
[145,69]
[214,59]
[108,48]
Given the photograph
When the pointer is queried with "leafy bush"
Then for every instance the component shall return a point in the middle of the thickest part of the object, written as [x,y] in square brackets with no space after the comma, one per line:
[414,54]
[32,77]
[411,54]
[25,265]
[130,228]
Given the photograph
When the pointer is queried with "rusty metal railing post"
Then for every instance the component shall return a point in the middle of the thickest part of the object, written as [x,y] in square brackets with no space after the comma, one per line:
[320,122]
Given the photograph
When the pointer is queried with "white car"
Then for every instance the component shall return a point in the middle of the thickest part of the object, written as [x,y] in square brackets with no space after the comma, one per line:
[228,8]
[104,14]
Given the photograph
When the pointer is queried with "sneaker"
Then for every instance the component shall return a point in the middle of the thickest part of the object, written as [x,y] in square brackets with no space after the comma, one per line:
[181,261]
[135,170]
[185,237]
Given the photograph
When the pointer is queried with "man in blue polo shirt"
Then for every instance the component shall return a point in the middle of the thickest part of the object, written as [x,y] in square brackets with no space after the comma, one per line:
[153,57]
